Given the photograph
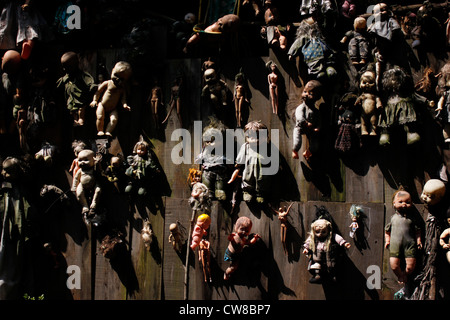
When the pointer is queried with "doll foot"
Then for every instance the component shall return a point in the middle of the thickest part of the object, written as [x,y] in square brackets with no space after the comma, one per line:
[307,155]
[260,199]
[100,133]
[384,139]
[315,279]
[26,50]
[247,197]
[142,191]
[412,137]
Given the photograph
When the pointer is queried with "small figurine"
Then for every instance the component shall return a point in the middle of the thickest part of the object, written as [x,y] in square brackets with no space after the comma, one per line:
[241,96]
[175,237]
[443,106]
[108,96]
[86,184]
[283,216]
[358,47]
[272,79]
[307,120]
[402,237]
[249,163]
[147,234]
[175,99]
[204,255]
[141,168]
[156,101]
[320,250]
[200,197]
[355,213]
[78,86]
[238,241]
[369,102]
[200,230]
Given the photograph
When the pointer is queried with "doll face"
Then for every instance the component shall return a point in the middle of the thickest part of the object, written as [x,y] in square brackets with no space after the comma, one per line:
[321,231]
[205,223]
[402,201]
[309,94]
[86,159]
[141,150]
[367,82]
[243,231]
[10,170]
[189,18]
[433,191]
[210,76]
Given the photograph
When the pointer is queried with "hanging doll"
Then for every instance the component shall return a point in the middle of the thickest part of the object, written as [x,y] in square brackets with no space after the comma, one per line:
[250,161]
[369,102]
[147,234]
[215,90]
[239,239]
[307,120]
[347,140]
[156,101]
[316,54]
[282,214]
[109,95]
[444,239]
[272,31]
[78,87]
[86,183]
[358,46]
[115,172]
[200,196]
[242,96]
[175,237]
[443,106]
[142,170]
[175,99]
[77,147]
[204,256]
[402,237]
[355,214]
[200,230]
[21,24]
[400,107]
[213,162]
[320,248]
[272,79]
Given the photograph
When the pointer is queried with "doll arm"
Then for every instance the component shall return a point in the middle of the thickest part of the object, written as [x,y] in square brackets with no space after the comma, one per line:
[124,101]
[99,93]
[255,238]
[418,239]
[444,235]
[440,103]
[379,103]
[234,175]
[387,239]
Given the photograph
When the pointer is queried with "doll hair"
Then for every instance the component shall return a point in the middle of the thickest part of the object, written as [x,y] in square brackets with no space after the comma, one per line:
[400,191]
[203,217]
[308,30]
[123,68]
[396,80]
[355,211]
[77,146]
[193,173]
[444,78]
[141,143]
[243,221]
[269,65]
[320,223]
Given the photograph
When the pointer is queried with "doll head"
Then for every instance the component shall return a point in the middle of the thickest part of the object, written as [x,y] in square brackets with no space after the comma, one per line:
[173,228]
[70,62]
[77,146]
[321,230]
[433,192]
[367,83]
[204,221]
[444,79]
[210,76]
[86,159]
[381,10]
[141,147]
[243,226]
[12,169]
[397,81]
[312,92]
[253,134]
[355,212]
[359,24]
[228,23]
[121,73]
[401,201]
[11,61]
[190,18]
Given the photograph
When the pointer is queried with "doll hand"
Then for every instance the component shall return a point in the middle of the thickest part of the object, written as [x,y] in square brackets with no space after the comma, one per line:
[305,251]
[294,154]
[419,244]
[387,245]
[445,246]
[126,107]
[93,104]
[347,245]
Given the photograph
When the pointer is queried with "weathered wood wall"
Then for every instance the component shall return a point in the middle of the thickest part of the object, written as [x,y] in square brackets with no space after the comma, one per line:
[266,272]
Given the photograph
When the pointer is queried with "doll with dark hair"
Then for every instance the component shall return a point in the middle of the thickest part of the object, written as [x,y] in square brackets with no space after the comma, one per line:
[307,120]
[141,170]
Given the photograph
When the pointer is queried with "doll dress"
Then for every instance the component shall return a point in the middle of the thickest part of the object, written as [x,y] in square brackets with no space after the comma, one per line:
[398,111]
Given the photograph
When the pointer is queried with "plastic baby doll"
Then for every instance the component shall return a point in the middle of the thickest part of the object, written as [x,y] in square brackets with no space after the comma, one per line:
[78,86]
[77,146]
[272,79]
[238,241]
[108,96]
[445,237]
[241,96]
[199,199]
[433,192]
[86,184]
[402,236]
[175,237]
[200,230]
[147,234]
[141,168]
[358,47]
[307,120]
[227,24]
[215,89]
[319,247]
[369,102]
[443,107]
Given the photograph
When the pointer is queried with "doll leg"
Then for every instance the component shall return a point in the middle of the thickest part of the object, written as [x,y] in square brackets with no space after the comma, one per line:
[395,266]
[113,119]
[179,112]
[410,266]
[81,113]
[446,132]
[81,197]
[231,269]
[100,123]
[27,46]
